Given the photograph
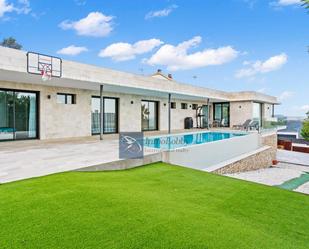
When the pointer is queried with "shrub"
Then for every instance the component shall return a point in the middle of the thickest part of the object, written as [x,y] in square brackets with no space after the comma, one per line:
[305,130]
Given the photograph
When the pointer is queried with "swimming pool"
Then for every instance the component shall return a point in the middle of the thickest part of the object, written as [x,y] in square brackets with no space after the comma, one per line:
[176,141]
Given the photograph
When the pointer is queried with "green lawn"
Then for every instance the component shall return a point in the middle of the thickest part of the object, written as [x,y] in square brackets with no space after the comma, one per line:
[158,206]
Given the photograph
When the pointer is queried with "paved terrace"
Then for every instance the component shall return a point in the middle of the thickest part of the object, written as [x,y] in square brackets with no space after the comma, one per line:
[291,173]
[26,159]
[33,158]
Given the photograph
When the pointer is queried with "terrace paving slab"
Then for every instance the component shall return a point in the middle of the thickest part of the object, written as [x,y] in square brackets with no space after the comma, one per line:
[293,157]
[276,176]
[303,188]
[37,158]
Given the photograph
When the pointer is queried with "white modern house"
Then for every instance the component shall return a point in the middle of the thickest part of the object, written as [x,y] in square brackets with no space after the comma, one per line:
[79,96]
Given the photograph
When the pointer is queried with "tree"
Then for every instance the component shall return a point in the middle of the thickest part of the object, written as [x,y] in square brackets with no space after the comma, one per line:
[305,130]
[10,42]
[305,3]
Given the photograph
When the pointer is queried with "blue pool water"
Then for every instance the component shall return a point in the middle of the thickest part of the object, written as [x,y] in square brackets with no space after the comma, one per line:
[178,141]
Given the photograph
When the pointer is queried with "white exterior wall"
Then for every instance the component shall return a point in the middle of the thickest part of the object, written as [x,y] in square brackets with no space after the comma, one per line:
[204,156]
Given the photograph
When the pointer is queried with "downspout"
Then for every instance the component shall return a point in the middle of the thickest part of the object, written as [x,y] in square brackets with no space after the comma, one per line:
[208,114]
[169,113]
[101,112]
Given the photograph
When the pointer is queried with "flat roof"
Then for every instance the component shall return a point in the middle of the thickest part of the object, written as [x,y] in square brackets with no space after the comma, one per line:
[13,68]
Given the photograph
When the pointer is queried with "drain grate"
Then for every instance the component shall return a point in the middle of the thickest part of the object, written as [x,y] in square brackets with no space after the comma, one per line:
[296,182]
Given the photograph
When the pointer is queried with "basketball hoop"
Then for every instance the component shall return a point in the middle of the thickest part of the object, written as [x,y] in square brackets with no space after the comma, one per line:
[45,75]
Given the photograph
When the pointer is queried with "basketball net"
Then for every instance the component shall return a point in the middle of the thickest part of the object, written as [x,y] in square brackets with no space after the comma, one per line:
[46,75]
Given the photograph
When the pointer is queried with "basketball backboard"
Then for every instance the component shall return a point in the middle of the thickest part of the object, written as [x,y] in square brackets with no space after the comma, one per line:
[40,63]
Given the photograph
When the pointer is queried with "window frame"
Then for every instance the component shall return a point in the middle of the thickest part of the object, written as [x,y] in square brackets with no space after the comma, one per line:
[156,113]
[229,112]
[66,95]
[117,115]
[194,106]
[38,116]
[184,106]
[173,105]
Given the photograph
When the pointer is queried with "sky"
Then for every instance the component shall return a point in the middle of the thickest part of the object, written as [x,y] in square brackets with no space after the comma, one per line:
[231,45]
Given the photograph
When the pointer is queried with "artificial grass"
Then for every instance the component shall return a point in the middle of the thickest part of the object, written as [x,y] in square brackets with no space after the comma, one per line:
[156,206]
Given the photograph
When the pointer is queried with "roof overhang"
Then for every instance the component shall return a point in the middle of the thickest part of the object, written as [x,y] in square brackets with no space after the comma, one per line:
[26,78]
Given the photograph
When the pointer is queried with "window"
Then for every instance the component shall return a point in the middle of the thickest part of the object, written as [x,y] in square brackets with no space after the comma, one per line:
[173,105]
[194,106]
[222,114]
[110,115]
[149,115]
[63,98]
[273,111]
[257,113]
[184,106]
[18,115]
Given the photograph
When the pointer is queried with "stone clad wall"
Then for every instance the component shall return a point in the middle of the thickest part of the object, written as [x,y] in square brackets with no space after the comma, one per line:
[259,160]
[271,140]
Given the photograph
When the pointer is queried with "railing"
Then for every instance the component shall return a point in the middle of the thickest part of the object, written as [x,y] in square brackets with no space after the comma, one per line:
[272,125]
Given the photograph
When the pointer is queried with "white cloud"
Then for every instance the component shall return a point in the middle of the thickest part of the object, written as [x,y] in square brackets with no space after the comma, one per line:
[21,7]
[24,7]
[5,7]
[72,50]
[122,51]
[272,64]
[161,13]
[177,57]
[305,108]
[285,95]
[287,2]
[96,24]
[279,4]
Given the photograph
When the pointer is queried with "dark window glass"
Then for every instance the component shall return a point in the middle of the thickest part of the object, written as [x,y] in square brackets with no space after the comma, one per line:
[110,119]
[18,115]
[173,105]
[63,98]
[222,114]
[184,106]
[149,115]
[194,106]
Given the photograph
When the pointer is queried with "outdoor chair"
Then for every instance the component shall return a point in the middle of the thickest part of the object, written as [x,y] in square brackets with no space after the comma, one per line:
[254,125]
[243,126]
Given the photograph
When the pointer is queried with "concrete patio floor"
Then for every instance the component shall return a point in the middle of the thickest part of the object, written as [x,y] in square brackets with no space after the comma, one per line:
[26,159]
[33,158]
[276,176]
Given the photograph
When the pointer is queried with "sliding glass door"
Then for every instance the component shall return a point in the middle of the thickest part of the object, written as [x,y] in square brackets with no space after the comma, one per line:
[205,117]
[257,113]
[110,118]
[18,115]
[149,115]
[222,114]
